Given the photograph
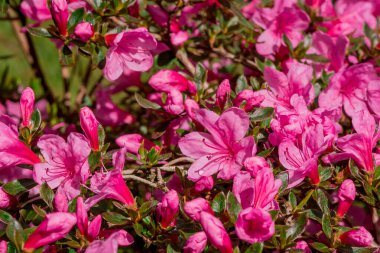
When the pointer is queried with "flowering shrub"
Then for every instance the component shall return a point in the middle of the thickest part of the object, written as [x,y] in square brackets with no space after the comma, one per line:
[194,126]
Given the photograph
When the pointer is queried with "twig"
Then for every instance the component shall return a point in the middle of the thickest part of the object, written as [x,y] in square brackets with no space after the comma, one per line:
[142,180]
[182,56]
[179,160]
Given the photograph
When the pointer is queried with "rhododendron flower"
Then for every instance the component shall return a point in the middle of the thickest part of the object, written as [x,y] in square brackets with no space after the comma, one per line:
[129,50]
[195,207]
[300,158]
[84,31]
[166,80]
[283,87]
[258,192]
[346,196]
[3,247]
[302,245]
[357,237]
[348,88]
[88,229]
[168,208]
[158,15]
[111,243]
[196,243]
[323,8]
[26,105]
[204,184]
[191,107]
[216,233]
[132,143]
[222,93]
[250,98]
[6,200]
[66,165]
[37,10]
[90,125]
[54,227]
[221,150]
[254,225]
[255,164]
[60,14]
[60,203]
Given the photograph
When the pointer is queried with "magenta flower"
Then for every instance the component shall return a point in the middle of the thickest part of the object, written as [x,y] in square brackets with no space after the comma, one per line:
[66,165]
[61,204]
[191,107]
[300,158]
[37,10]
[216,233]
[222,93]
[54,227]
[3,247]
[250,98]
[323,8]
[357,237]
[27,105]
[255,164]
[302,245]
[283,87]
[221,150]
[6,200]
[168,208]
[254,225]
[348,89]
[204,184]
[90,125]
[166,80]
[111,243]
[132,143]
[346,195]
[84,31]
[195,207]
[88,229]
[258,192]
[196,243]
[129,50]
[60,14]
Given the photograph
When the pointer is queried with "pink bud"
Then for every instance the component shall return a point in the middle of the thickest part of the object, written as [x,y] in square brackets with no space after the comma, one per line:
[174,102]
[26,105]
[255,164]
[190,107]
[82,217]
[6,200]
[204,184]
[94,228]
[3,247]
[195,207]
[196,243]
[346,196]
[303,246]
[254,225]
[89,125]
[168,208]
[84,31]
[60,202]
[357,237]
[216,233]
[60,14]
[222,93]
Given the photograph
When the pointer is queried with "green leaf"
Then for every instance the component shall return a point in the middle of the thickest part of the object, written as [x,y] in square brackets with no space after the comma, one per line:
[284,177]
[94,160]
[288,43]
[304,201]
[297,228]
[75,18]
[39,32]
[5,217]
[322,201]
[115,218]
[255,248]
[326,225]
[292,200]
[317,58]
[170,249]
[237,12]
[36,120]
[219,203]
[200,75]
[147,207]
[233,207]
[145,103]
[14,188]
[261,114]
[15,234]
[101,136]
[241,84]
[320,247]
[265,153]
[47,194]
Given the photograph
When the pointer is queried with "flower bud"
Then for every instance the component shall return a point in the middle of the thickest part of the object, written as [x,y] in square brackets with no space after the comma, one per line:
[168,208]
[302,245]
[254,225]
[60,14]
[357,237]
[6,200]
[255,164]
[194,208]
[89,125]
[204,184]
[84,31]
[196,243]
[3,247]
[60,202]
[346,196]
[222,93]
[26,105]
[191,106]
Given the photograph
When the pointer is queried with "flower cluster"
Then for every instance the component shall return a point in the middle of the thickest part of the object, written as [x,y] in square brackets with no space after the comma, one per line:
[211,126]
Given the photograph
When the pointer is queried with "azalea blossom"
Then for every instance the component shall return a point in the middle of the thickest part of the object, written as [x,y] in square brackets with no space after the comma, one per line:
[111,243]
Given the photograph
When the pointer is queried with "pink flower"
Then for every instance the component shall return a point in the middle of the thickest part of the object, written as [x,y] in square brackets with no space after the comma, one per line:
[88,229]
[129,50]
[111,243]
[324,8]
[357,237]
[283,87]
[252,100]
[6,200]
[254,225]
[13,151]
[179,38]
[37,10]
[221,150]
[84,31]
[223,93]
[346,195]
[54,227]
[216,233]
[60,14]
[256,192]
[195,207]
[3,247]
[255,164]
[66,165]
[26,105]
[279,21]
[300,158]
[191,107]
[204,184]
[348,88]
[111,185]
[166,80]
[158,15]
[132,143]
[168,208]
[302,245]
[174,103]
[89,125]
[332,48]
[61,203]
[196,243]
